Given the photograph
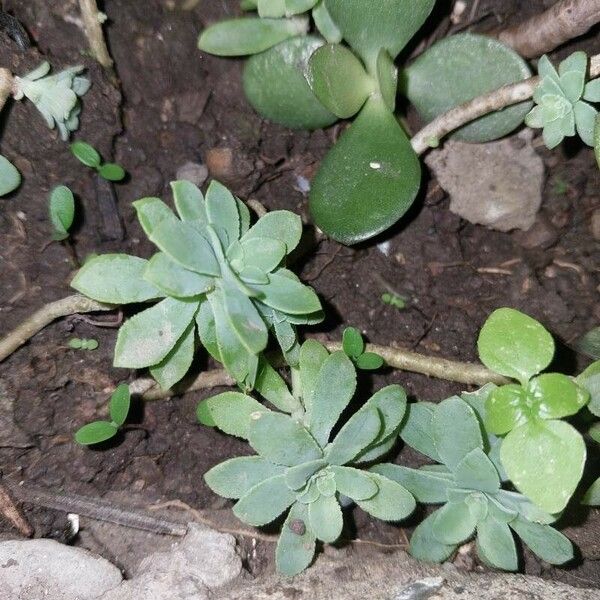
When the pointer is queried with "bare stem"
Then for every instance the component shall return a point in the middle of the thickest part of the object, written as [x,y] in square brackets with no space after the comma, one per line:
[565,20]
[44,316]
[92,23]
[6,86]
[508,95]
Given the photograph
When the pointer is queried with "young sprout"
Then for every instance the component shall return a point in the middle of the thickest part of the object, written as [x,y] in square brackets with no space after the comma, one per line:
[10,178]
[100,431]
[83,344]
[394,300]
[354,347]
[62,212]
[55,96]
[89,156]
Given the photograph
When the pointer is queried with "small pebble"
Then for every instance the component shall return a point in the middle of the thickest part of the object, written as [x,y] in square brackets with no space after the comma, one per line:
[193,172]
[219,162]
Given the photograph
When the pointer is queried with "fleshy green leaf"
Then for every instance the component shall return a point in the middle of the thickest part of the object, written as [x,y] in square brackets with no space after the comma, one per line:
[417,429]
[325,25]
[388,24]
[186,246]
[296,545]
[120,401]
[231,412]
[292,444]
[312,356]
[338,80]
[368,180]
[430,487]
[172,279]
[288,295]
[522,505]
[281,225]
[245,320]
[575,63]
[112,172]
[273,388]
[545,460]
[240,37]
[390,402]
[325,518]
[353,483]
[237,476]
[352,342]
[387,77]
[147,337]
[585,121]
[205,321]
[544,541]
[115,279]
[62,211]
[392,502]
[177,363]
[296,477]
[189,201]
[496,545]
[334,388]
[86,154]
[460,68]
[477,472]
[456,431]
[263,253]
[592,91]
[454,523]
[222,210]
[369,361]
[356,435]
[590,380]
[513,344]
[557,395]
[507,407]
[275,85]
[425,546]
[95,433]
[572,84]
[151,212]
[264,502]
[10,178]
[592,496]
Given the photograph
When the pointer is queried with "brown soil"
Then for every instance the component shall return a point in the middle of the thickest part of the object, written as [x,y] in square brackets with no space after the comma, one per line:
[176,105]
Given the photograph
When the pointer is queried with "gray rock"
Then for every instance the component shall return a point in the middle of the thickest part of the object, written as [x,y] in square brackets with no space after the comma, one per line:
[47,570]
[194,172]
[497,184]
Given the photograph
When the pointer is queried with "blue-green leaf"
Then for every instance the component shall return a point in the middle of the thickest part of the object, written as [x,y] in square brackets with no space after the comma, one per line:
[173,280]
[296,545]
[177,363]
[325,518]
[264,502]
[189,201]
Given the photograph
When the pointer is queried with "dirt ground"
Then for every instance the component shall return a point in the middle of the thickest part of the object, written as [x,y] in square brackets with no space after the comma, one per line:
[175,105]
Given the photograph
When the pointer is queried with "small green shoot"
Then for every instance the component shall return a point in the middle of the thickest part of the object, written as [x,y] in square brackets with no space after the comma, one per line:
[62,212]
[354,347]
[10,178]
[394,300]
[83,344]
[101,431]
[90,157]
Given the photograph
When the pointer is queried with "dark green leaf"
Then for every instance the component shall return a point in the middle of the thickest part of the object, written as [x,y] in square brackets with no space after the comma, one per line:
[264,502]
[352,342]
[368,180]
[120,402]
[86,154]
[96,432]
[507,407]
[387,77]
[589,344]
[369,361]
[112,172]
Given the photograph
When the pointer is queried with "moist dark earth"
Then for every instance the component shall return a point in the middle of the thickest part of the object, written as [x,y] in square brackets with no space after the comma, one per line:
[169,105]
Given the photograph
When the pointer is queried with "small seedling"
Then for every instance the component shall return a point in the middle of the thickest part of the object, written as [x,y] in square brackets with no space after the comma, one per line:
[354,347]
[55,96]
[83,344]
[10,178]
[62,212]
[468,482]
[562,97]
[543,456]
[89,156]
[101,431]
[297,466]
[214,274]
[394,300]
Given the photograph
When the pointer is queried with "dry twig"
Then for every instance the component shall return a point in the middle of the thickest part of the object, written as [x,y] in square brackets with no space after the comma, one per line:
[92,24]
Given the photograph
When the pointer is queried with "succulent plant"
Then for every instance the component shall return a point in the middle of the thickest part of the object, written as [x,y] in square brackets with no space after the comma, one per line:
[55,96]
[300,466]
[10,178]
[562,98]
[213,273]
[468,482]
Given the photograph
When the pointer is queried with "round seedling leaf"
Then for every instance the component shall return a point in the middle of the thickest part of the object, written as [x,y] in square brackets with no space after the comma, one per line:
[556,396]
[120,401]
[513,344]
[352,342]
[339,80]
[112,172]
[95,433]
[10,178]
[62,211]
[275,85]
[460,68]
[369,361]
[86,154]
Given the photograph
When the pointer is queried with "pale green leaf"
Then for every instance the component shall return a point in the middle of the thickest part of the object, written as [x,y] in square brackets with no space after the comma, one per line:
[556,396]
[417,430]
[507,407]
[477,472]
[173,280]
[120,401]
[585,121]
[10,178]
[205,321]
[429,487]
[590,380]
[271,386]
[496,545]
[592,495]
[454,523]
[177,363]
[281,225]
[189,201]
[147,337]
[151,212]
[392,502]
[425,546]
[544,541]
[592,91]
[296,545]
[62,211]
[574,63]
[115,279]
[325,24]
[287,295]
[358,433]
[353,483]
[589,344]
[572,84]
[297,477]
[245,320]
[312,356]
[387,77]
[263,253]
[325,518]
[264,502]
[222,210]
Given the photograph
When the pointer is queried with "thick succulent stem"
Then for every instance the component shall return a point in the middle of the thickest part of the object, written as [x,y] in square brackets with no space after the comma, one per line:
[508,95]
[92,23]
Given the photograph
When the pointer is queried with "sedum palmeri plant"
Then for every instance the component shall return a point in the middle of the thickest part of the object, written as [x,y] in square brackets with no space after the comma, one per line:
[345,68]
[543,455]
[300,467]
[55,96]
[562,101]
[468,483]
[214,274]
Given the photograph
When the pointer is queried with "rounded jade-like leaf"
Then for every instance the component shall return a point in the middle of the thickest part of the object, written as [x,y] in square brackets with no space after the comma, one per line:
[545,460]
[276,86]
[338,79]
[507,407]
[513,344]
[10,178]
[556,396]
[368,180]
[460,68]
[592,496]
[387,76]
